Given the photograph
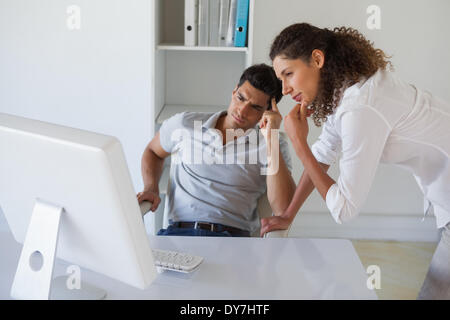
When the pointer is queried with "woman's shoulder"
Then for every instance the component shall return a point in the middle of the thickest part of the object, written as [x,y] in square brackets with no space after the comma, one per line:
[365,85]
[364,92]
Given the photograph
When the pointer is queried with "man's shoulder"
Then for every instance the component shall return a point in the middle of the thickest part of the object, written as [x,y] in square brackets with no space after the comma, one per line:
[186,119]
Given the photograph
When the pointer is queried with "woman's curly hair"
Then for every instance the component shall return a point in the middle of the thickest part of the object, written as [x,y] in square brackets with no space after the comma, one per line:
[349,58]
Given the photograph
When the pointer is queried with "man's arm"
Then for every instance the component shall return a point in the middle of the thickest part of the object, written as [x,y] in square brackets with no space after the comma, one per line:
[280,185]
[302,192]
[152,165]
[304,189]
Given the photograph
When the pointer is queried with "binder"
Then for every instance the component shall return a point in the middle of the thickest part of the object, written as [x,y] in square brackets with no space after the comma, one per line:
[214,11]
[240,35]
[203,23]
[231,23]
[190,22]
[223,21]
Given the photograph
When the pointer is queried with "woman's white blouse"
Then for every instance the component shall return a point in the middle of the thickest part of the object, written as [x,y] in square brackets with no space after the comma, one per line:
[384,119]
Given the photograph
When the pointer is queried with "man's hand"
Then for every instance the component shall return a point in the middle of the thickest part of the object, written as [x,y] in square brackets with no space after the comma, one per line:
[271,119]
[151,196]
[274,223]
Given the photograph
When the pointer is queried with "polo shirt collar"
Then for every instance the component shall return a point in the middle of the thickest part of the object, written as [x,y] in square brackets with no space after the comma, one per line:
[212,121]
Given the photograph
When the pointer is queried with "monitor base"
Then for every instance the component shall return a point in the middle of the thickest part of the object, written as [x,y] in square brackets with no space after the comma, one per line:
[33,279]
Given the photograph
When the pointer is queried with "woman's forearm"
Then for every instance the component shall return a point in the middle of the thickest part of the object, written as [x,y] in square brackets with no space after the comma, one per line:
[321,180]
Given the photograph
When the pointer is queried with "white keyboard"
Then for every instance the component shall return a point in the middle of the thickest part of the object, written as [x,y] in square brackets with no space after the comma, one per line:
[175,261]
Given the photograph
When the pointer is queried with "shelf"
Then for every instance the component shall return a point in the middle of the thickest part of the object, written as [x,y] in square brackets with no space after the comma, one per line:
[180,47]
[191,78]
[170,110]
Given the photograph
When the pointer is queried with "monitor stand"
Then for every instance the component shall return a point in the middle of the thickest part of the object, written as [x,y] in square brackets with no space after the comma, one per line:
[33,279]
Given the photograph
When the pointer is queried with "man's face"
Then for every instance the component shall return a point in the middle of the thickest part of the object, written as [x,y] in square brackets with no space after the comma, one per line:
[246,108]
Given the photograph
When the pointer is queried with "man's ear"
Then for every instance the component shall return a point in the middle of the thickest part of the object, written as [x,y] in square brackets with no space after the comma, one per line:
[318,58]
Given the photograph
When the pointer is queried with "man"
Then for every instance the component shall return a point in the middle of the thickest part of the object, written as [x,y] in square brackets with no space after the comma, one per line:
[216,193]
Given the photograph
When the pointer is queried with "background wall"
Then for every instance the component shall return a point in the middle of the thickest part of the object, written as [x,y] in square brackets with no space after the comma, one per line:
[415,34]
[96,78]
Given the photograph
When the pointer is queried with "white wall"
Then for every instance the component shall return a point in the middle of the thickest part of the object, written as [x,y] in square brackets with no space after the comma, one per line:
[415,33]
[96,78]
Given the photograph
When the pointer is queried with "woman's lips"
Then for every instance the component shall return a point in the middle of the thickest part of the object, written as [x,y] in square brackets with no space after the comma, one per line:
[298,97]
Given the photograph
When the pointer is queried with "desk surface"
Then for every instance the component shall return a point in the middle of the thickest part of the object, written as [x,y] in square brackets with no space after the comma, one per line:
[233,268]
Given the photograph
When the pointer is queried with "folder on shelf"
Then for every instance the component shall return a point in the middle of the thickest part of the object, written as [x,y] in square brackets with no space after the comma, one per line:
[223,21]
[203,23]
[190,22]
[240,35]
[214,12]
[231,23]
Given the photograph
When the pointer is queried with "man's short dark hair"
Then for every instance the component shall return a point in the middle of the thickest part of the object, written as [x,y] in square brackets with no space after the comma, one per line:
[263,77]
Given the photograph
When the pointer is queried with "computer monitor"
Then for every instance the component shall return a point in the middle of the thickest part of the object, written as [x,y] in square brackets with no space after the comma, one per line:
[71,188]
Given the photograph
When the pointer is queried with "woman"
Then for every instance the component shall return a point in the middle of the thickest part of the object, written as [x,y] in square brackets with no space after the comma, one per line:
[369,117]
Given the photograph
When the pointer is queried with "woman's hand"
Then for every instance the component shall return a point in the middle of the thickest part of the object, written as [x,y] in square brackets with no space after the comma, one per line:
[296,123]
[150,196]
[274,223]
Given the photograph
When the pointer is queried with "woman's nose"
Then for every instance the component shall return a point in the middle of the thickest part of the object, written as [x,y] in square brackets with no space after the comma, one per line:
[286,88]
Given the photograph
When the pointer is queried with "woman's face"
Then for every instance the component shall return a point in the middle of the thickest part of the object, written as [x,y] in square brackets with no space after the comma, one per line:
[300,79]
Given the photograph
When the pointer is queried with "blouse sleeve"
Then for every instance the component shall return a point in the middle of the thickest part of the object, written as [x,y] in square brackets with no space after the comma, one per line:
[327,147]
[364,133]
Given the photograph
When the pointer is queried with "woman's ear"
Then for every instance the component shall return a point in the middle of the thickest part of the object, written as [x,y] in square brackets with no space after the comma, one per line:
[318,58]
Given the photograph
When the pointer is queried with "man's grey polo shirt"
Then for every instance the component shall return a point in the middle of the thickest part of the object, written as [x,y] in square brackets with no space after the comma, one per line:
[223,190]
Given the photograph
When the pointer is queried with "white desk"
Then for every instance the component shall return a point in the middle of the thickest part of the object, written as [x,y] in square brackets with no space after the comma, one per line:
[233,268]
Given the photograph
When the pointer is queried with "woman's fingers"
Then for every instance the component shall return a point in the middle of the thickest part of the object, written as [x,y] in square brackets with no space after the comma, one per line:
[304,111]
[295,111]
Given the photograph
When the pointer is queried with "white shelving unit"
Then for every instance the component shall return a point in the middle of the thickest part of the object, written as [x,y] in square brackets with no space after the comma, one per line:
[198,79]
[181,47]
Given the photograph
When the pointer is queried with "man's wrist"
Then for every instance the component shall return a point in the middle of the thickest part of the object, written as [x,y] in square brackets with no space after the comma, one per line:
[151,189]
[288,215]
